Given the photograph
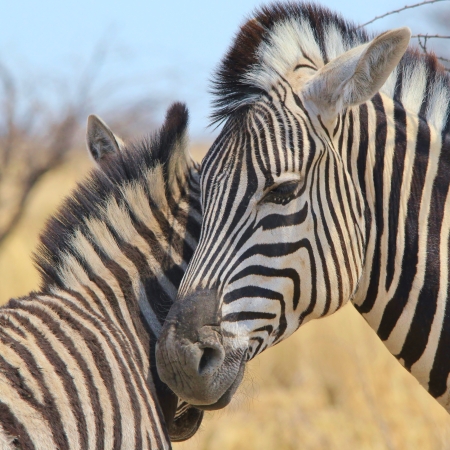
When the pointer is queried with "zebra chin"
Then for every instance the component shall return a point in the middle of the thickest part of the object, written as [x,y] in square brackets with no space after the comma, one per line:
[195,358]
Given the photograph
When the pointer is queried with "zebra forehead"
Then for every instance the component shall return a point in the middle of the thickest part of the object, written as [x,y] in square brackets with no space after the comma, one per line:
[271,43]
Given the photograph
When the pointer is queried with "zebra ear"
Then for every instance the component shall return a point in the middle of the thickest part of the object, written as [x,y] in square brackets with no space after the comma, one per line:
[357,75]
[179,159]
[101,141]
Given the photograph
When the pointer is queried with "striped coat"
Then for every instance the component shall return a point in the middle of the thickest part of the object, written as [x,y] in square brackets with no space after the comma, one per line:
[329,184]
[77,357]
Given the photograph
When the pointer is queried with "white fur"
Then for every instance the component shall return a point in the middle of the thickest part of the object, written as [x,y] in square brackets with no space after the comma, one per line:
[289,41]
[437,110]
[334,44]
[413,87]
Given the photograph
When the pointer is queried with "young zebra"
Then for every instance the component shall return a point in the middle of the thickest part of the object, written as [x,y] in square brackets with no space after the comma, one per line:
[329,183]
[77,358]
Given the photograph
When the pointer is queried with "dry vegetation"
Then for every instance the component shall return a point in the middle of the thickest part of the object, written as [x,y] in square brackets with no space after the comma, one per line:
[332,385]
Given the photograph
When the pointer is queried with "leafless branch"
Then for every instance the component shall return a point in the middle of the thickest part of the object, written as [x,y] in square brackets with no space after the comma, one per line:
[415,5]
[91,72]
[430,36]
[26,156]
[9,103]
[31,158]
[37,138]
[423,41]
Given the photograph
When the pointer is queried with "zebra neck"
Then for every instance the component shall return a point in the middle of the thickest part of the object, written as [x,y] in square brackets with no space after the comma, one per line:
[129,262]
[403,174]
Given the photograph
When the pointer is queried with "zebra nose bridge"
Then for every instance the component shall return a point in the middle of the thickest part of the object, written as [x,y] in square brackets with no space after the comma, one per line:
[195,310]
[194,283]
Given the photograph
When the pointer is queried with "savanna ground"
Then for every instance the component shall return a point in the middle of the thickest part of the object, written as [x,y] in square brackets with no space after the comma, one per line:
[332,385]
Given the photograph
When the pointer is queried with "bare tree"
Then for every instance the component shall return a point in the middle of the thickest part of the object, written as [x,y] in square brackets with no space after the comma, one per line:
[37,137]
[26,154]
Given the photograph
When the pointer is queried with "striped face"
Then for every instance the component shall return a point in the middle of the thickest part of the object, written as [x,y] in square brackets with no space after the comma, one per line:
[283,236]
[278,245]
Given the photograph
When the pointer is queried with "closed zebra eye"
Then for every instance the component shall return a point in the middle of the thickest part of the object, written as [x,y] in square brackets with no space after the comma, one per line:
[282,193]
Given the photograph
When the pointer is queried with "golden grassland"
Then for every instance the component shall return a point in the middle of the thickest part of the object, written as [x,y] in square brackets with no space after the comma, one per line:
[332,385]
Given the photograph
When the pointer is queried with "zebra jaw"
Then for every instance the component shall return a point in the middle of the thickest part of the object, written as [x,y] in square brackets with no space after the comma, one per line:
[213,366]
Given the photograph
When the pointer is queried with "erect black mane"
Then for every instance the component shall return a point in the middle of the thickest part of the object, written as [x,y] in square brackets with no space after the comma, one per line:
[128,166]
[233,86]
[230,85]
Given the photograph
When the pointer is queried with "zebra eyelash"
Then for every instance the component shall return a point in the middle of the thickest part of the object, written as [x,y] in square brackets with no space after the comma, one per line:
[281,194]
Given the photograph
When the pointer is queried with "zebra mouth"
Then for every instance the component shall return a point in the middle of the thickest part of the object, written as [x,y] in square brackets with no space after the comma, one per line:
[228,394]
[204,375]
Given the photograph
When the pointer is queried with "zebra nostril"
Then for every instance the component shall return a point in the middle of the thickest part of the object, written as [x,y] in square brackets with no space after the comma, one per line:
[211,359]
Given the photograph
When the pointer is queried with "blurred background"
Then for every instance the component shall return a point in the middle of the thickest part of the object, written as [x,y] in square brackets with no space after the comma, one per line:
[332,385]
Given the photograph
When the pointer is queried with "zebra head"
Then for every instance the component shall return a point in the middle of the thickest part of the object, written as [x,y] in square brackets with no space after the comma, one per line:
[105,148]
[283,233]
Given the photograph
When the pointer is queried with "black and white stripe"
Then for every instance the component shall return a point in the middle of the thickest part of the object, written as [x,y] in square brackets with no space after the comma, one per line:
[328,183]
[77,357]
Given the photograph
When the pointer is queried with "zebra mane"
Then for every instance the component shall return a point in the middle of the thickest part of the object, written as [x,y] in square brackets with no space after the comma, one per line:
[141,172]
[271,43]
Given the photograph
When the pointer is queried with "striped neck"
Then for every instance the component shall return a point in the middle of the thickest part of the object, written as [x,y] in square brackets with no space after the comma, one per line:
[402,174]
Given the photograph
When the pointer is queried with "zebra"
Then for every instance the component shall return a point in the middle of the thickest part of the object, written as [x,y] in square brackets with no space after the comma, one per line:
[77,357]
[328,183]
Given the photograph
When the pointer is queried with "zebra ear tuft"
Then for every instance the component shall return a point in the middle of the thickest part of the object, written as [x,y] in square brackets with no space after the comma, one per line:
[179,159]
[101,141]
[357,75]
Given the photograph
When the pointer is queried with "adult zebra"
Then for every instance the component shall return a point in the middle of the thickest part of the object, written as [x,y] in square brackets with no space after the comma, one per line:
[329,182]
[77,358]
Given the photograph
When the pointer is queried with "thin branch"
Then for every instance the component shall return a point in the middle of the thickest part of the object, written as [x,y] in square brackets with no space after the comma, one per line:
[56,151]
[423,44]
[14,219]
[415,5]
[91,72]
[9,111]
[423,40]
[430,36]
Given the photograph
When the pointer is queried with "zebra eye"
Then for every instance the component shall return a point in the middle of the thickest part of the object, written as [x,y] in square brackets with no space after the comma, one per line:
[282,193]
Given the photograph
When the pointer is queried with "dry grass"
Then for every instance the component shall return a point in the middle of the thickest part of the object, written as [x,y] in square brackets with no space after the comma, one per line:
[332,385]
[17,273]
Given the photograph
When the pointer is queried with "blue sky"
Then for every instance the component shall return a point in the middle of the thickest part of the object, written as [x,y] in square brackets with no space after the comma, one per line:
[163,49]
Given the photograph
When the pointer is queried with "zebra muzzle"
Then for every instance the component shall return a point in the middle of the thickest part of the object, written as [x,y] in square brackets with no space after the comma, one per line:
[192,356]
[213,353]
